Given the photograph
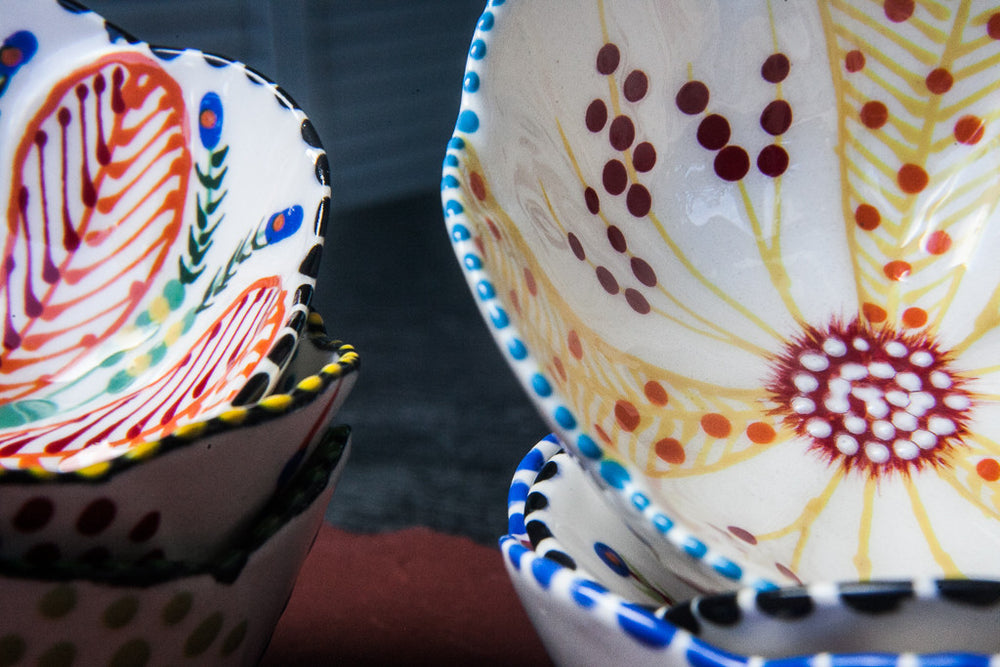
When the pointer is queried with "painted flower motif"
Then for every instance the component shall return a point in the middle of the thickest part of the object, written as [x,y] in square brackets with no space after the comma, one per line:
[210,120]
[806,270]
[16,50]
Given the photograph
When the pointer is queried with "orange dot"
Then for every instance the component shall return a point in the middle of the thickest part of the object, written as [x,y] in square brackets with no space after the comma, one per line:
[761,433]
[939,81]
[529,281]
[655,393]
[969,130]
[988,469]
[854,61]
[11,56]
[278,223]
[574,344]
[516,301]
[938,242]
[912,178]
[494,230]
[874,313]
[914,318]
[993,26]
[560,370]
[874,115]
[670,450]
[602,434]
[477,185]
[867,217]
[716,425]
[897,269]
[207,118]
[627,415]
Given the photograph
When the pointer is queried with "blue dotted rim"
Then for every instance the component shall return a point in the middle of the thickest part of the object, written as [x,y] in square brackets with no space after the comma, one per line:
[580,595]
[630,489]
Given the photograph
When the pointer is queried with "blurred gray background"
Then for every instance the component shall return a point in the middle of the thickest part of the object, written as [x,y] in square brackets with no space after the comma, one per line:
[439,421]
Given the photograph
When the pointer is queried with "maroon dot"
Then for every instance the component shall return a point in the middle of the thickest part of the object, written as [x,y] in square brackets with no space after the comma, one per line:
[772,161]
[617,239]
[615,177]
[597,116]
[146,528]
[637,301]
[608,58]
[607,280]
[622,133]
[576,246]
[43,554]
[993,26]
[713,132]
[898,11]
[776,117]
[854,61]
[775,68]
[638,200]
[96,516]
[33,515]
[692,98]
[635,86]
[743,534]
[593,201]
[732,163]
[643,272]
[644,156]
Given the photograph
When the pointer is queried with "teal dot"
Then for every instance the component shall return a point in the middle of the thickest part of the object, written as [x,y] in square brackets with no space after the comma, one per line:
[662,523]
[517,349]
[456,143]
[144,320]
[471,82]
[728,569]
[448,182]
[450,160]
[468,121]
[452,207]
[640,501]
[478,50]
[485,290]
[157,353]
[588,447]
[486,22]
[174,294]
[614,474]
[565,418]
[119,382]
[190,318]
[694,547]
[113,359]
[460,233]
[472,263]
[541,385]
[499,318]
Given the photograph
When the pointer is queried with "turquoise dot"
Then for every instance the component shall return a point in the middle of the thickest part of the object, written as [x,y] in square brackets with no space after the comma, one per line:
[144,319]
[460,233]
[497,3]
[119,381]
[157,353]
[588,447]
[499,318]
[449,181]
[456,143]
[472,263]
[468,121]
[452,207]
[173,292]
[450,160]
[663,523]
[471,82]
[485,290]
[695,547]
[761,585]
[541,385]
[478,50]
[614,474]
[112,359]
[640,501]
[486,22]
[728,569]
[544,570]
[517,349]
[565,418]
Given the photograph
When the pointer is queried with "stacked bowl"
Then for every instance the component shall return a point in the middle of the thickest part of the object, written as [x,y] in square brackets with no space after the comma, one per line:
[166,393]
[740,257]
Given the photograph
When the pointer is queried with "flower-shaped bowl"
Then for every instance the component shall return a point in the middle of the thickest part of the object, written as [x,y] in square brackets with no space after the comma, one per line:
[610,615]
[166,612]
[741,259]
[165,217]
[188,495]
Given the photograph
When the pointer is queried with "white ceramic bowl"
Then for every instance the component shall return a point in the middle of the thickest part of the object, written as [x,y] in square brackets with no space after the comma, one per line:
[166,612]
[609,615]
[165,217]
[740,256]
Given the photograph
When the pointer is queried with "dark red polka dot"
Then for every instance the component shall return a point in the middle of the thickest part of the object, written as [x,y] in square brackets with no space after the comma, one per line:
[97,516]
[772,161]
[713,132]
[617,239]
[644,156]
[608,58]
[643,271]
[593,200]
[597,116]
[776,117]
[576,246]
[692,98]
[898,11]
[874,114]
[638,200]
[622,133]
[637,301]
[615,177]
[939,81]
[33,515]
[43,554]
[146,528]
[743,534]
[993,26]
[607,280]
[635,86]
[732,163]
[854,61]
[775,68]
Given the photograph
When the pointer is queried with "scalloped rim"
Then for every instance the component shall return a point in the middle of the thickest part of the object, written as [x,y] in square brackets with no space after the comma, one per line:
[644,625]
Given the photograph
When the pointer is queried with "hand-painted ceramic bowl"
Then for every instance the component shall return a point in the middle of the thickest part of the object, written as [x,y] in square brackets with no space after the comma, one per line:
[165,216]
[190,494]
[610,614]
[741,258]
[165,612]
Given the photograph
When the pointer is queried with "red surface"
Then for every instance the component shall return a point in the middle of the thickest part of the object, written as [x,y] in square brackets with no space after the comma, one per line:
[410,597]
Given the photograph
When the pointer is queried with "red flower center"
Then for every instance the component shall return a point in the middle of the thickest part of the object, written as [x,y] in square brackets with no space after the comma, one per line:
[873,400]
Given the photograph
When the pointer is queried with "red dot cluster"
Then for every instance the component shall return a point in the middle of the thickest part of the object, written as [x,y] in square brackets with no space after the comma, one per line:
[732,161]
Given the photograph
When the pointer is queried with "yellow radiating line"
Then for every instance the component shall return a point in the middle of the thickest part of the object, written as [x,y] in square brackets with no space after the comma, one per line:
[862,558]
[771,256]
[944,561]
[949,477]
[813,508]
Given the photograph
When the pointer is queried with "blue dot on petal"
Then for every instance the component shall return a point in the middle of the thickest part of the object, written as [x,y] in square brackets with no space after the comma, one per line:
[645,627]
[544,569]
[515,524]
[585,593]
[449,181]
[471,82]
[518,492]
[460,233]
[614,474]
[497,3]
[486,22]
[695,547]
[533,461]
[485,290]
[640,501]
[478,50]
[472,263]
[452,207]
[565,418]
[450,160]
[728,569]
[499,318]
[541,385]
[588,447]
[663,523]
[457,143]
[517,349]
[468,121]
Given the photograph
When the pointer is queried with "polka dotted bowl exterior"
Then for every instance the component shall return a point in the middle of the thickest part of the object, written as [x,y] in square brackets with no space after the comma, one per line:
[740,258]
[605,616]
[165,612]
[189,495]
[165,217]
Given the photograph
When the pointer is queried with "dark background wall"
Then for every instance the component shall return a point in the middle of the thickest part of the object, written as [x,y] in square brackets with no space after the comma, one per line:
[439,421]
